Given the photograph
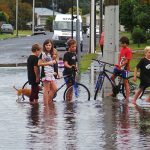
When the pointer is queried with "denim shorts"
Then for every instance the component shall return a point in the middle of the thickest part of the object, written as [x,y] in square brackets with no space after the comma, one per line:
[123,73]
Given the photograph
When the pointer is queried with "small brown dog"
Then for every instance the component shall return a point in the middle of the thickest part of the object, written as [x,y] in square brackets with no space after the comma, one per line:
[21,92]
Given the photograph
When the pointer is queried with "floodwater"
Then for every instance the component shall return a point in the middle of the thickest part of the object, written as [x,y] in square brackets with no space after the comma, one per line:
[94,125]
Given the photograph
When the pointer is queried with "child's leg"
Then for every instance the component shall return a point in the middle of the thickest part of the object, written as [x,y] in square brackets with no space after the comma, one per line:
[34,92]
[113,77]
[138,92]
[46,94]
[126,84]
[36,96]
[53,89]
[31,98]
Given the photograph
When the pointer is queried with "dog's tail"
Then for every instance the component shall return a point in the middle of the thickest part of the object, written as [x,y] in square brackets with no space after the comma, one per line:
[19,91]
[15,88]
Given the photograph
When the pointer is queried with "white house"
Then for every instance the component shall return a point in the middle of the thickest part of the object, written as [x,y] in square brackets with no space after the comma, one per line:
[87,18]
[42,15]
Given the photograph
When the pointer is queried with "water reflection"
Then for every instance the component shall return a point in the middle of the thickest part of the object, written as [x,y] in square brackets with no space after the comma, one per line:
[34,115]
[70,126]
[42,127]
[105,124]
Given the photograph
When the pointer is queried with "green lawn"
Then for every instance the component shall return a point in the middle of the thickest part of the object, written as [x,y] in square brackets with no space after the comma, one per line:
[20,33]
[86,61]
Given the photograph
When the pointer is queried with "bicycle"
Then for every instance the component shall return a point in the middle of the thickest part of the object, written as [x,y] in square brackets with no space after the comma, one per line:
[116,87]
[76,91]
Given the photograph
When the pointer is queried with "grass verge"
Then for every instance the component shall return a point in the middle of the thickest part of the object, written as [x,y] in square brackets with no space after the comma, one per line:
[20,33]
[86,61]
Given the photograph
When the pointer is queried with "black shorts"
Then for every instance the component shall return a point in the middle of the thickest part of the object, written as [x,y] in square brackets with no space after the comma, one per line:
[144,85]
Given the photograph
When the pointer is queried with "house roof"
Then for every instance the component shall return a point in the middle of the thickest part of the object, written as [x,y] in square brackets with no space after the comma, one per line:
[45,12]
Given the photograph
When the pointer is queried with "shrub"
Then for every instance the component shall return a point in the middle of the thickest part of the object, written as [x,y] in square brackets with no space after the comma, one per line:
[3,17]
[138,35]
[49,23]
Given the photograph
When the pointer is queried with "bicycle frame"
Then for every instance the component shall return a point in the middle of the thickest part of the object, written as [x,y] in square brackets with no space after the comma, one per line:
[104,74]
[69,77]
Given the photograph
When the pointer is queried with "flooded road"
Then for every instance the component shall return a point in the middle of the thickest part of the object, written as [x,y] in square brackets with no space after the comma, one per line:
[94,125]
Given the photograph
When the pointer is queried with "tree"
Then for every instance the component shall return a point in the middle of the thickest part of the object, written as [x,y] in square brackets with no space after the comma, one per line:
[143,20]
[138,35]
[49,23]
[126,14]
[61,5]
[25,15]
[6,11]
[133,13]
[3,17]
[74,10]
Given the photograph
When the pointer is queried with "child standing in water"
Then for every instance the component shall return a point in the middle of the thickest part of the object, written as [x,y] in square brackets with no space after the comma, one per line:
[70,62]
[123,66]
[33,73]
[144,67]
[47,72]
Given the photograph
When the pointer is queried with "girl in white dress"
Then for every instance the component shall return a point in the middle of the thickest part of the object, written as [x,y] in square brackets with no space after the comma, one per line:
[47,72]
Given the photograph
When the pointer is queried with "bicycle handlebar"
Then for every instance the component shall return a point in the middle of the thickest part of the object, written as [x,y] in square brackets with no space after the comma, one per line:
[103,62]
[74,70]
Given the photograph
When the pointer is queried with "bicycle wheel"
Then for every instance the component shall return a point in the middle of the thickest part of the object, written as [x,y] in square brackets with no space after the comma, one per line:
[77,92]
[133,86]
[98,87]
[27,88]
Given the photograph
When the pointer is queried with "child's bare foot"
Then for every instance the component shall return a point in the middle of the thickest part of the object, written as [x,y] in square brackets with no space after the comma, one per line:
[134,102]
[147,99]
[111,95]
[36,101]
[32,102]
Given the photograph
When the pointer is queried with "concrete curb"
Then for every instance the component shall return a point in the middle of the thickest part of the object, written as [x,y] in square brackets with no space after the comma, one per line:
[13,65]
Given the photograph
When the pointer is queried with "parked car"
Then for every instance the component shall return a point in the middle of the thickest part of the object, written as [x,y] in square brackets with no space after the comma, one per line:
[88,31]
[7,28]
[39,30]
[97,31]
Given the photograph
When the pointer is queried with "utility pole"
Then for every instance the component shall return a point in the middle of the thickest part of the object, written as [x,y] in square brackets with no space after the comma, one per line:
[101,16]
[33,20]
[72,18]
[78,33]
[111,35]
[111,31]
[16,17]
[95,27]
[53,5]
[92,27]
